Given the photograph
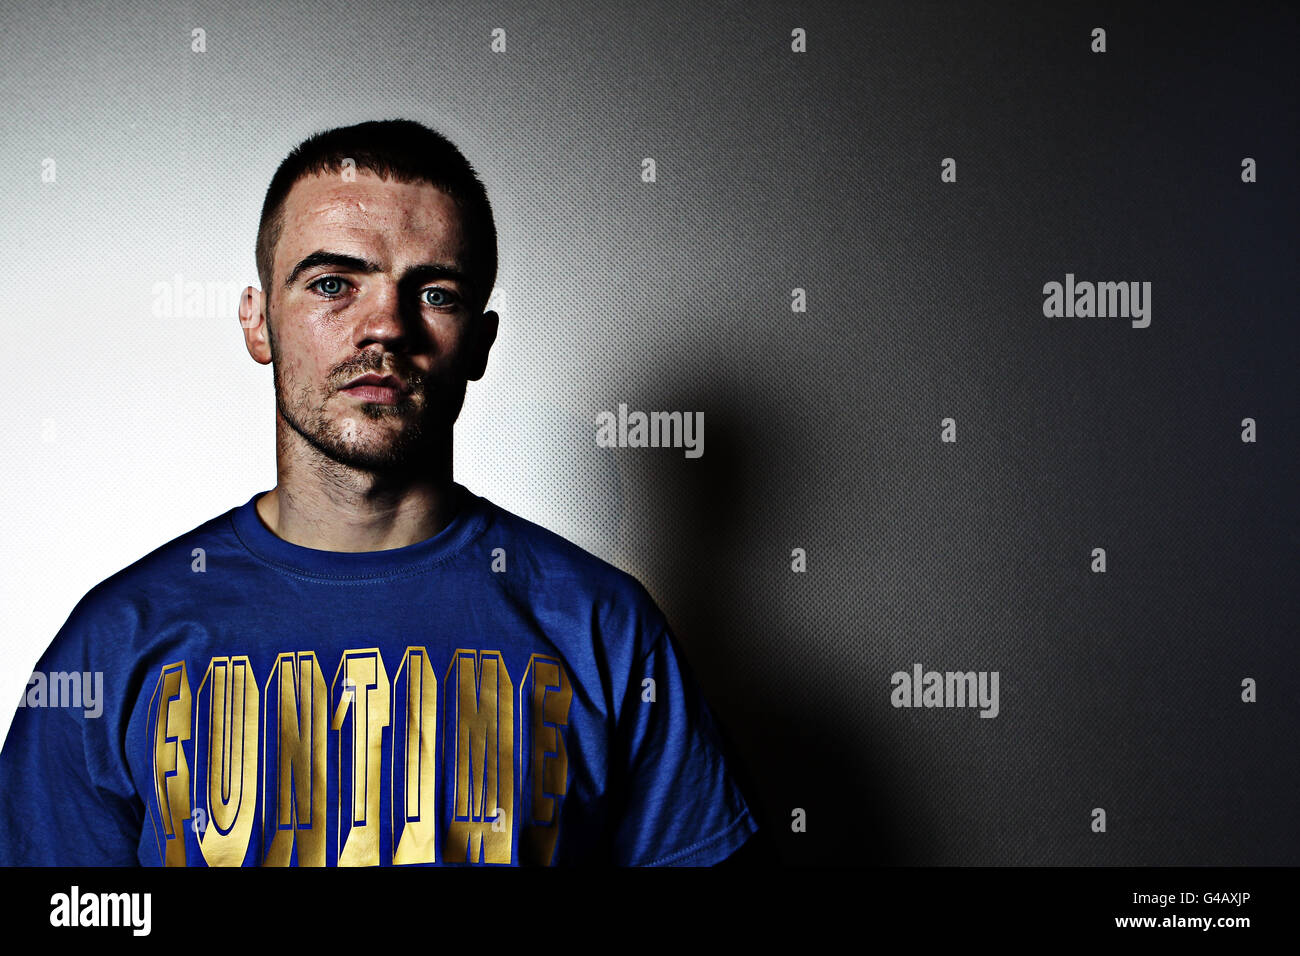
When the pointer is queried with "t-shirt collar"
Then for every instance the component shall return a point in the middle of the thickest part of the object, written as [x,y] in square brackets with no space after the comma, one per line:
[469,519]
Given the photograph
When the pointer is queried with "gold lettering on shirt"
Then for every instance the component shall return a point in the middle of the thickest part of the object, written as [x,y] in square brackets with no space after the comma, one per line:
[295,694]
[480,728]
[225,742]
[361,693]
[169,720]
[413,764]
[545,780]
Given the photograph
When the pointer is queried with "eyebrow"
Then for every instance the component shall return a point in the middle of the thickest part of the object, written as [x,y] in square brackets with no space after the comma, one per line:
[341,260]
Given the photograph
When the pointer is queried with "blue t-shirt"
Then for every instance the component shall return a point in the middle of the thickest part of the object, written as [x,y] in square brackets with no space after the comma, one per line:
[493,694]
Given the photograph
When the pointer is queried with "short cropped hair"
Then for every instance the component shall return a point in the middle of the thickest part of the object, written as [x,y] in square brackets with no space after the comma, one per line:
[401,150]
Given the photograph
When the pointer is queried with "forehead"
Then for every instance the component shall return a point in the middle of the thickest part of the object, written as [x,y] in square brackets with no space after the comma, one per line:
[387,220]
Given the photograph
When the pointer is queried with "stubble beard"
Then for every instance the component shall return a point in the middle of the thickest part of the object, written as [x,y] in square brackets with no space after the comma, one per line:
[429,411]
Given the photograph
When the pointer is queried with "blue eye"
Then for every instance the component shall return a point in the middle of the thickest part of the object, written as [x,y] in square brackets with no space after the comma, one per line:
[446,297]
[320,284]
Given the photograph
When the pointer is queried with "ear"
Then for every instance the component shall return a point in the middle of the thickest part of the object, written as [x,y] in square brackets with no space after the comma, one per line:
[252,319]
[483,335]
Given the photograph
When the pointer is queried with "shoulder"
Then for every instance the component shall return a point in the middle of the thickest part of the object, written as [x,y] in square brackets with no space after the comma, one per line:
[182,556]
[124,602]
[549,565]
[545,553]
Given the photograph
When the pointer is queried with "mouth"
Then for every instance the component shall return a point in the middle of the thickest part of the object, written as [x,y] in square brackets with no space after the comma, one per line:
[380,389]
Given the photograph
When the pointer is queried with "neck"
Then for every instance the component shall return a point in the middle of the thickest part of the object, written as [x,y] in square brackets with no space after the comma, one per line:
[329,506]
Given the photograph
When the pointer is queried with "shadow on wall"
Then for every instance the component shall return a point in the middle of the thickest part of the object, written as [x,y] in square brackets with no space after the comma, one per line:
[715,536]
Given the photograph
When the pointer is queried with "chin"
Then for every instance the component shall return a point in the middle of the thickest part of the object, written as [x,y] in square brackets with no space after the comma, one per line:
[387,450]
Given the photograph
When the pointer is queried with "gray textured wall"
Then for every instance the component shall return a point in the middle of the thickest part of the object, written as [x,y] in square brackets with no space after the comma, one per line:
[775,170]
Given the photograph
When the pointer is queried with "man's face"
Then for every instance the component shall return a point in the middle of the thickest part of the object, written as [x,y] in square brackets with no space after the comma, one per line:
[370,279]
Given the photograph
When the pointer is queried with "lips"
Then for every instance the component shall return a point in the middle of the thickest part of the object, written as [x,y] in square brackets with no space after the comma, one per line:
[378,381]
[373,387]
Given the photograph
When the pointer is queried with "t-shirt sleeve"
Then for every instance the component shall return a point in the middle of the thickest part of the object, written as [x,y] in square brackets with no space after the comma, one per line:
[681,804]
[54,807]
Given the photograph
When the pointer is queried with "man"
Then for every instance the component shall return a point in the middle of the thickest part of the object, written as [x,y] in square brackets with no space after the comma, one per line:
[368,664]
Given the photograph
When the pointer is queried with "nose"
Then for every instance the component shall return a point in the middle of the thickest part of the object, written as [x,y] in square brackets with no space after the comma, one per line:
[381,318]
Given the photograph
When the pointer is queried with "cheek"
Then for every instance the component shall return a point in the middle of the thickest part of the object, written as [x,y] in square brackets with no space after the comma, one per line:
[291,367]
[451,339]
[307,361]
